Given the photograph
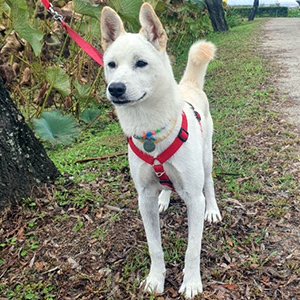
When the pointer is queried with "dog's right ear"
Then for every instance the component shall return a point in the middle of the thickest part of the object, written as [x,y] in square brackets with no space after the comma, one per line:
[111,27]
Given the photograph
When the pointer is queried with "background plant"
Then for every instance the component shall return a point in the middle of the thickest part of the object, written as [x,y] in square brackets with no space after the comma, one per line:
[46,71]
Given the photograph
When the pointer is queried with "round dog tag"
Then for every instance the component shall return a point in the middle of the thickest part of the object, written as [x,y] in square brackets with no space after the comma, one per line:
[149,145]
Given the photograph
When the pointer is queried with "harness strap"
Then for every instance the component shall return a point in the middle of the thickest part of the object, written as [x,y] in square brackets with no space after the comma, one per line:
[197,115]
[165,155]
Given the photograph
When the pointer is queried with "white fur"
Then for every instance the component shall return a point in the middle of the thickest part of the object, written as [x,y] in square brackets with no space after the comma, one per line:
[153,98]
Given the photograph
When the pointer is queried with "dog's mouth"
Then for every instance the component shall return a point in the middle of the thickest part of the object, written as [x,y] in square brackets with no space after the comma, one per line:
[124,101]
[120,101]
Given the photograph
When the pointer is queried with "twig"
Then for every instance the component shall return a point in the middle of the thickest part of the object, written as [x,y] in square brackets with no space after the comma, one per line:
[80,161]
[226,174]
[51,270]
[113,208]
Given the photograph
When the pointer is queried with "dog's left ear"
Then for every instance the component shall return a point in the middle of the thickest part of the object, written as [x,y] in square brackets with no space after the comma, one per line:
[111,27]
[152,28]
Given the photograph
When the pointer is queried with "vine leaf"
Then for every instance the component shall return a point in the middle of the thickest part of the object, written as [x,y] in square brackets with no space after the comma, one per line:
[19,17]
[90,114]
[87,9]
[56,128]
[59,79]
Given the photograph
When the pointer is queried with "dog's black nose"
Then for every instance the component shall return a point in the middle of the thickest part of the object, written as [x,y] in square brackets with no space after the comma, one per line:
[117,89]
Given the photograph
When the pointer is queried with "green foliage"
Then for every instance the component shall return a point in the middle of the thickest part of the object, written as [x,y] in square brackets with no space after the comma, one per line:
[56,128]
[294,13]
[59,80]
[183,24]
[263,11]
[90,114]
[232,18]
[83,92]
[79,224]
[87,9]
[61,67]
[61,74]
[19,17]
[128,11]
[4,7]
[199,3]
[33,291]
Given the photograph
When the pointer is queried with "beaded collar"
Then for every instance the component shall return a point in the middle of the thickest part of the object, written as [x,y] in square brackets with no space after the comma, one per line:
[149,138]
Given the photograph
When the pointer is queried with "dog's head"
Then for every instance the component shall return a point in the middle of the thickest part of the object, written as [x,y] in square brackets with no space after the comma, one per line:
[135,64]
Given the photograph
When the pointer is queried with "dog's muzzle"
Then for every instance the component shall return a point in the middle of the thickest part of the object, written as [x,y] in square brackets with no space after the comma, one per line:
[117,92]
[117,89]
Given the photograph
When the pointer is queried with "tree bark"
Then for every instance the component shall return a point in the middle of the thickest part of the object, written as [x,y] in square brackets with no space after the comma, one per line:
[254,10]
[216,15]
[23,159]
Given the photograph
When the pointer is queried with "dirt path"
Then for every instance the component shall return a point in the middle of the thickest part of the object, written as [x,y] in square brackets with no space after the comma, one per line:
[281,43]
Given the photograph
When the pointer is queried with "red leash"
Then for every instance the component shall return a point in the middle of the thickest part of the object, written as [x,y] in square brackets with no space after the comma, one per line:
[83,44]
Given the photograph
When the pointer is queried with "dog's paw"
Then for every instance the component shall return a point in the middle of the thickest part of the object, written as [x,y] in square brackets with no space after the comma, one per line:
[164,200]
[213,215]
[163,206]
[191,288]
[154,284]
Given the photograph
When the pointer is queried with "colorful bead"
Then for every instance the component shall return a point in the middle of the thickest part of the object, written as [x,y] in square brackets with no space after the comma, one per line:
[149,135]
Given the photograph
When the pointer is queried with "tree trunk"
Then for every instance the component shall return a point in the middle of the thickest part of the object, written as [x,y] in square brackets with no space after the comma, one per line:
[254,10]
[216,15]
[23,160]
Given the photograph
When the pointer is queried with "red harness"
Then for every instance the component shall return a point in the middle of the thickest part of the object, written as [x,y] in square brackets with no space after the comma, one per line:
[165,155]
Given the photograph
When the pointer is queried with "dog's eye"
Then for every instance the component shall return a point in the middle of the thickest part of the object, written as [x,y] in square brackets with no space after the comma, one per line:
[111,64]
[141,64]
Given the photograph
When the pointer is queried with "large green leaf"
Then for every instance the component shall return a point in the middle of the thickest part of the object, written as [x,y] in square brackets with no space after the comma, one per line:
[4,6]
[56,128]
[87,9]
[19,17]
[59,79]
[90,114]
[82,92]
[128,11]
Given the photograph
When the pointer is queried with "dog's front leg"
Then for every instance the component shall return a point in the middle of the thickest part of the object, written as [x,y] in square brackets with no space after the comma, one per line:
[148,205]
[192,285]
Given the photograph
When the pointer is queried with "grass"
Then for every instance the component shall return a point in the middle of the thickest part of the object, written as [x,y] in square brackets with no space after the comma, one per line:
[90,215]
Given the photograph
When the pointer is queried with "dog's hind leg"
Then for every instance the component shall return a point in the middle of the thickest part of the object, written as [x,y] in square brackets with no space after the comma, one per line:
[164,200]
[212,213]
[192,285]
[148,205]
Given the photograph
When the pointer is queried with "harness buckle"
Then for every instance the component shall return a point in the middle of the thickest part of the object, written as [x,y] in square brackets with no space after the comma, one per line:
[159,170]
[183,135]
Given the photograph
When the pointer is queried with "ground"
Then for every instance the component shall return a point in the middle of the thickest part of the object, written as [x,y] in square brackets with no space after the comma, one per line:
[281,43]
[51,249]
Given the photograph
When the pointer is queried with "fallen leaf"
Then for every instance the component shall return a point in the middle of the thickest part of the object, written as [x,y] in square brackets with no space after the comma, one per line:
[39,265]
[20,234]
[230,286]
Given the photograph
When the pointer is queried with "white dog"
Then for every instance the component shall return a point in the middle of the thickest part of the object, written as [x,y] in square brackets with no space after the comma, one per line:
[169,147]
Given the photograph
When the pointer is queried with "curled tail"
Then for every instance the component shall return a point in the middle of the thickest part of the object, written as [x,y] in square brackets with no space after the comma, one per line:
[201,53]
